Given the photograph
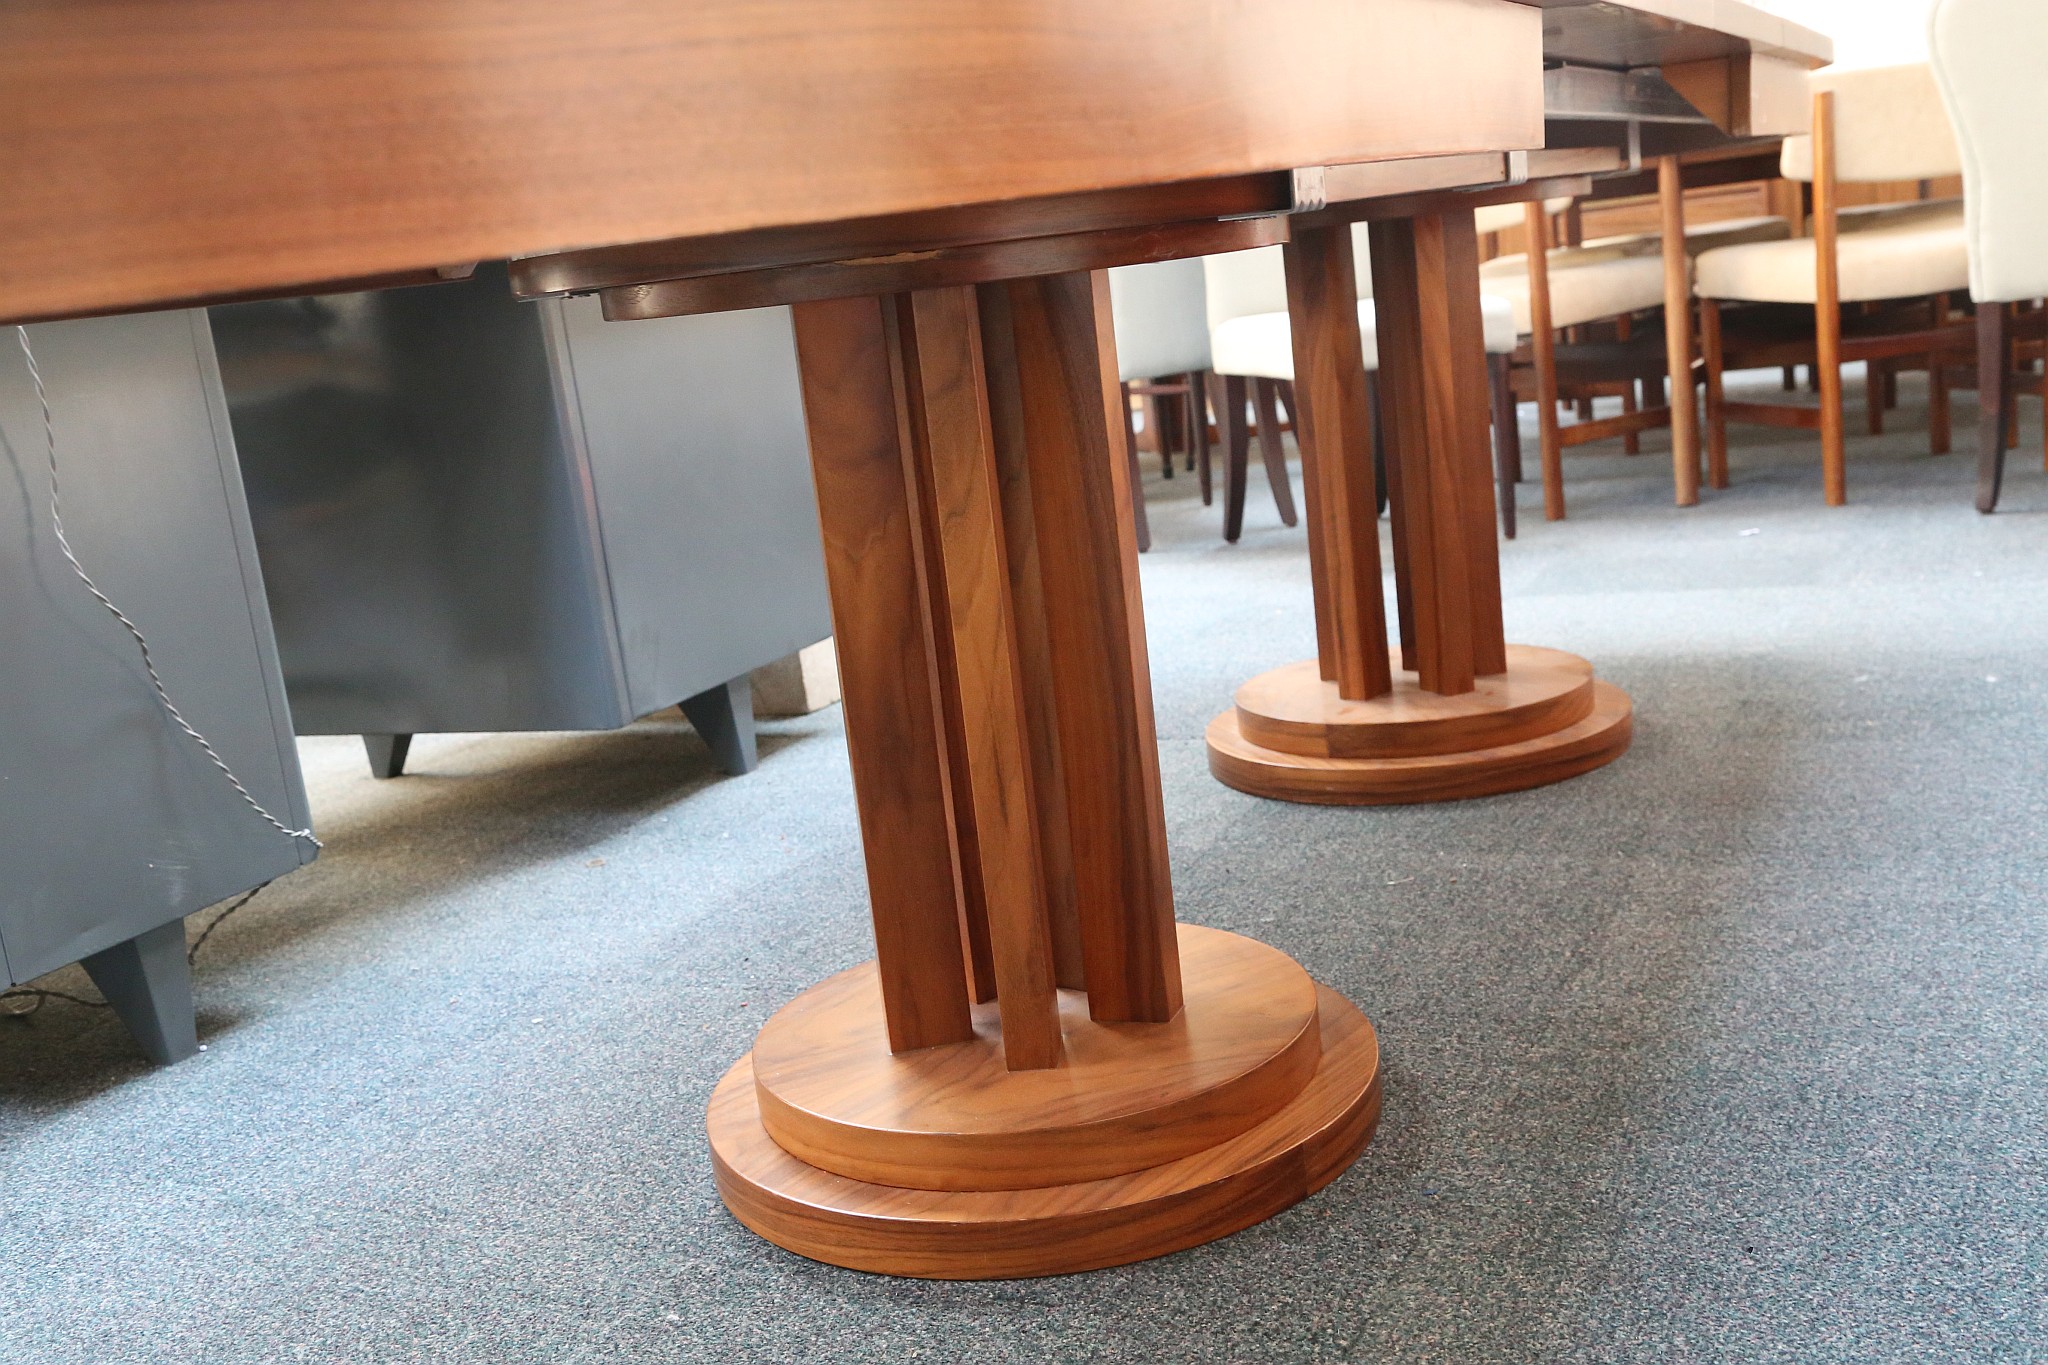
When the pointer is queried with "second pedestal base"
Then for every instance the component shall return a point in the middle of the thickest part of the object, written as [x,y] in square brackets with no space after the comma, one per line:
[1292,738]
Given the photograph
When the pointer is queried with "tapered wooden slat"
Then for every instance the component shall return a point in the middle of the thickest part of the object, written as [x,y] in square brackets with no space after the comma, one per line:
[1034,645]
[1101,679]
[1329,371]
[1425,282]
[1466,461]
[939,337]
[874,564]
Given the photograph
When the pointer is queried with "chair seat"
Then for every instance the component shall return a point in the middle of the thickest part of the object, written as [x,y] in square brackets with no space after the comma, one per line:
[1922,254]
[1587,284]
[1261,345]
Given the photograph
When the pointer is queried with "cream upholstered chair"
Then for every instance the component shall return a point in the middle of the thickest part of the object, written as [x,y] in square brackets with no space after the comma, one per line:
[1162,351]
[1987,60]
[1898,265]
[1607,281]
[1252,347]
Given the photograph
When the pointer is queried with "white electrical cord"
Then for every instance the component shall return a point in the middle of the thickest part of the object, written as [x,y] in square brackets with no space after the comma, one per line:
[148,663]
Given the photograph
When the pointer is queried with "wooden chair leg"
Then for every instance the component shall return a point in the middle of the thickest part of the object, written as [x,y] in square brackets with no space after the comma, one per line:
[1237,450]
[1543,344]
[1891,387]
[1213,384]
[1198,415]
[1993,377]
[1158,417]
[1717,413]
[1875,373]
[1271,450]
[1507,441]
[1788,378]
[1139,520]
[1939,431]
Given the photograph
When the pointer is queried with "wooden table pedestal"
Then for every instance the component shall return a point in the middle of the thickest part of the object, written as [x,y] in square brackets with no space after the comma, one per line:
[1453,711]
[1040,1072]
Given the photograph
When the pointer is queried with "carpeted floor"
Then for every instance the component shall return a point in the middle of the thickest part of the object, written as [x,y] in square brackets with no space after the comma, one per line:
[1728,1052]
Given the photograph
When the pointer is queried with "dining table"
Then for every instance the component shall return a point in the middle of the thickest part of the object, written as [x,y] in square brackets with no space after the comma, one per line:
[1041,1071]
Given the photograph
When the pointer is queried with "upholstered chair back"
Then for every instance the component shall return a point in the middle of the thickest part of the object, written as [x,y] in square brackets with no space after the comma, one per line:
[1989,62]
[1246,283]
[1161,318]
[1889,125]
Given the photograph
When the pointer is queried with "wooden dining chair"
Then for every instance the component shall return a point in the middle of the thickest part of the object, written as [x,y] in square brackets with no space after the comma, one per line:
[1251,346]
[1877,286]
[1992,85]
[1587,312]
[1162,350]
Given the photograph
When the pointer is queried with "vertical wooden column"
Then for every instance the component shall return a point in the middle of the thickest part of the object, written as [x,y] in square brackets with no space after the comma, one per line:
[869,512]
[1685,427]
[1034,641]
[1433,408]
[1066,381]
[938,340]
[1336,416]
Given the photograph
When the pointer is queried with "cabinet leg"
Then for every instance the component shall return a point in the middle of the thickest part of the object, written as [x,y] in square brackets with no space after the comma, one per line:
[149,984]
[724,716]
[387,754]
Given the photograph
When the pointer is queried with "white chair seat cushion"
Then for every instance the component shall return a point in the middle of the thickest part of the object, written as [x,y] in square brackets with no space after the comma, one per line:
[1899,261]
[1586,284]
[1261,345]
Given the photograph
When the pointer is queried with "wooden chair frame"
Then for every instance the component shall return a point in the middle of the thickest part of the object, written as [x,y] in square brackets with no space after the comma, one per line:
[1892,331]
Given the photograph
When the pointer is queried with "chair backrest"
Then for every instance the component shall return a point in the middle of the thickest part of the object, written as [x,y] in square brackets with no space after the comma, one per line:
[1988,61]
[1161,318]
[1244,283]
[1889,125]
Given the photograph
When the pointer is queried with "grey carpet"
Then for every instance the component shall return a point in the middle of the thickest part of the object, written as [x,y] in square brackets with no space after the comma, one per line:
[1728,1052]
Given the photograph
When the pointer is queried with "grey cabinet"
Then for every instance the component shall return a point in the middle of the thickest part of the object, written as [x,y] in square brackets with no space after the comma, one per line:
[478,514]
[113,824]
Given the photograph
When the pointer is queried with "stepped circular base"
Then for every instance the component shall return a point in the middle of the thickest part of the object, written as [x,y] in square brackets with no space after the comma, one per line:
[1055,1230]
[1292,738]
[1124,1097]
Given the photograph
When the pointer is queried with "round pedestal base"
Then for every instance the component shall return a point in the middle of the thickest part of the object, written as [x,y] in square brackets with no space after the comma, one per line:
[1124,1096]
[1292,738]
[1054,1230]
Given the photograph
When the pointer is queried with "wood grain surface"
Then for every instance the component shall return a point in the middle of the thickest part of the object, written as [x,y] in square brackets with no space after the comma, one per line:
[875,567]
[1337,459]
[1124,1096]
[1598,739]
[1293,710]
[964,1235]
[1066,379]
[153,152]
[939,338]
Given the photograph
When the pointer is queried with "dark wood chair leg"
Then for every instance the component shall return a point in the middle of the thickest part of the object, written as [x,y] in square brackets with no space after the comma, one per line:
[1237,452]
[1161,417]
[1212,385]
[1788,378]
[1717,414]
[1993,377]
[1139,520]
[1875,374]
[1507,441]
[1271,450]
